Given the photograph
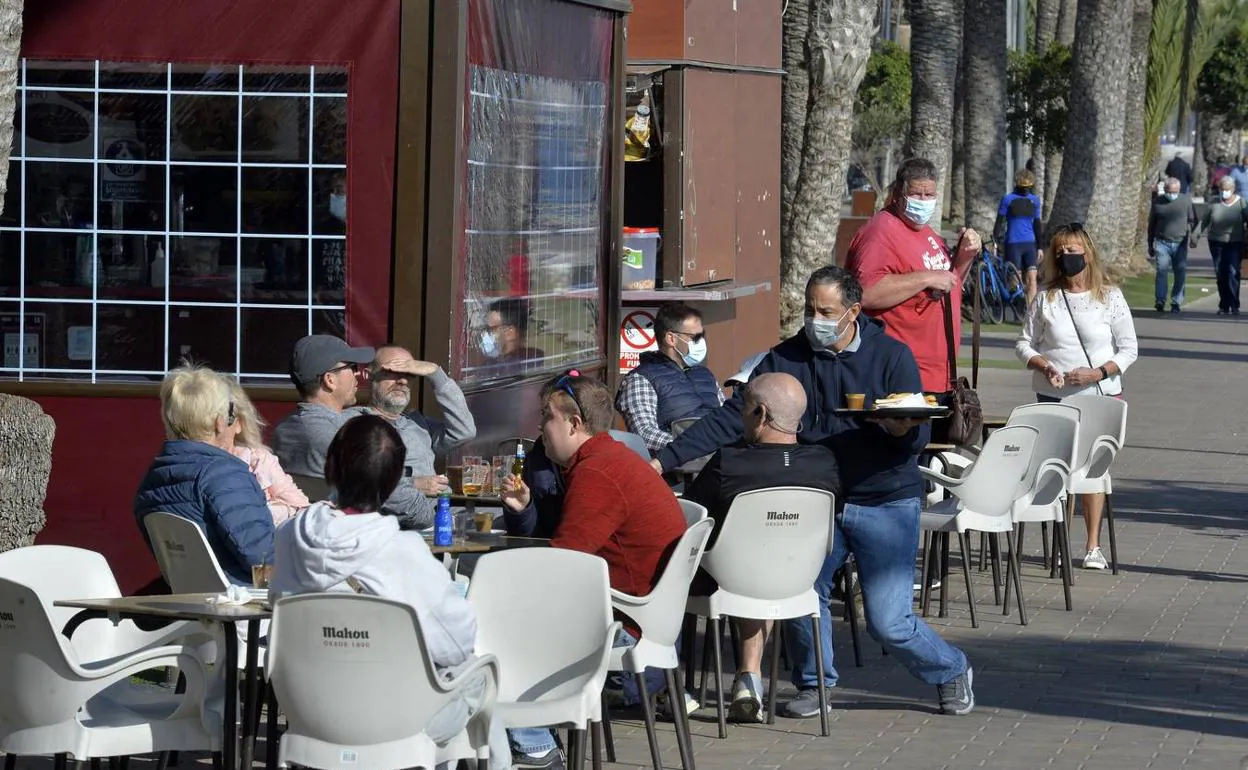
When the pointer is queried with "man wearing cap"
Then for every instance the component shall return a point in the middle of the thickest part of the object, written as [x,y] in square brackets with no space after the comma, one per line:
[393,371]
[323,368]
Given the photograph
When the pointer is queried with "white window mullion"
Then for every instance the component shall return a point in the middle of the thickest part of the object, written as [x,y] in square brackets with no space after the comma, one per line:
[168,215]
[21,249]
[95,225]
[311,190]
[238,240]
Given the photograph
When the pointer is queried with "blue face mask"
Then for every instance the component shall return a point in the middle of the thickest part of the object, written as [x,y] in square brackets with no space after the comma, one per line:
[919,211]
[1170,196]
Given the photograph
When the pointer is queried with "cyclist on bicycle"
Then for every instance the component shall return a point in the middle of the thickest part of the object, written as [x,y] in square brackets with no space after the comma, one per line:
[1018,229]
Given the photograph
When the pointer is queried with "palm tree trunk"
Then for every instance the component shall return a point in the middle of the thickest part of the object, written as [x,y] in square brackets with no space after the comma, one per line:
[838,44]
[1064,34]
[10,51]
[935,46]
[1090,190]
[957,161]
[1047,12]
[985,111]
[1133,232]
[794,98]
[1066,17]
[1217,141]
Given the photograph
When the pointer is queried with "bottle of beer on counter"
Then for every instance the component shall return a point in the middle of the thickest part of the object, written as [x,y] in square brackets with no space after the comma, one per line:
[517,464]
[443,522]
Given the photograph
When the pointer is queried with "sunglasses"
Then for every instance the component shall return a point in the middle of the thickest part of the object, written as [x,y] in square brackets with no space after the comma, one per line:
[695,337]
[564,384]
[230,418]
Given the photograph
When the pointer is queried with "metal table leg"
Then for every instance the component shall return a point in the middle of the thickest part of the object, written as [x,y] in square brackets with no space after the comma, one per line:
[252,696]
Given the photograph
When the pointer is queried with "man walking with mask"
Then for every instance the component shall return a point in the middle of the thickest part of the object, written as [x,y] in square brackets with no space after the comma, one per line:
[906,271]
[672,383]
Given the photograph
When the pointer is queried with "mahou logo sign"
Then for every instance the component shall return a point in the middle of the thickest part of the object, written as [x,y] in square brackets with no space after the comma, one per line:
[344,637]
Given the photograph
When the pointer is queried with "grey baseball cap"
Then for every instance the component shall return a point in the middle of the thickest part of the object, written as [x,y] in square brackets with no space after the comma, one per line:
[318,353]
[747,368]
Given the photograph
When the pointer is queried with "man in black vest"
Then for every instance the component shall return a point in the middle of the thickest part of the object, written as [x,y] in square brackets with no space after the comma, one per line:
[669,384]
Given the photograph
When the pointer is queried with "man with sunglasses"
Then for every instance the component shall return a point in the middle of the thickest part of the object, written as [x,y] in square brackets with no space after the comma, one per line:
[671,383]
[392,373]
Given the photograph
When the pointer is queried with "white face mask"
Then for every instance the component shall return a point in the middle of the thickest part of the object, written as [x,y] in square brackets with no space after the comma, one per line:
[696,354]
[823,333]
[338,206]
[919,211]
[489,345]
[1226,194]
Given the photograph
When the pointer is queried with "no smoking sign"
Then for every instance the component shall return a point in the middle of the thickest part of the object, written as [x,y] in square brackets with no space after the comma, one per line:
[636,337]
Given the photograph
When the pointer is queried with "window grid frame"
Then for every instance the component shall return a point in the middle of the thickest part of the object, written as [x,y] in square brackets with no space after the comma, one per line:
[22,372]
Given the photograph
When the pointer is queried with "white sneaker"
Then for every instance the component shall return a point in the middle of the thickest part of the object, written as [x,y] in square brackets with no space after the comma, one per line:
[747,699]
[1095,559]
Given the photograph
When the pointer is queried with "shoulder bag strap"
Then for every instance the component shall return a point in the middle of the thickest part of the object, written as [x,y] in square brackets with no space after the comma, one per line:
[1079,336]
[950,337]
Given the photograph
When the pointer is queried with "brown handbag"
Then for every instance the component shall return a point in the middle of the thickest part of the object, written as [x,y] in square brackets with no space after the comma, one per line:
[966,415]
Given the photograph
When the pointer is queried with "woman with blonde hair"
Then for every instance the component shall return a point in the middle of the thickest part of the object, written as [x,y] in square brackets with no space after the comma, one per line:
[195,476]
[1078,337]
[285,499]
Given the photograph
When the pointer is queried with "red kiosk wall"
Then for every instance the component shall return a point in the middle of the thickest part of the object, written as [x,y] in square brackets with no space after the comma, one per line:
[104,445]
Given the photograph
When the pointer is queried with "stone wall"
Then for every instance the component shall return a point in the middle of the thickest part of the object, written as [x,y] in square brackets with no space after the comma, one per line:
[26,435]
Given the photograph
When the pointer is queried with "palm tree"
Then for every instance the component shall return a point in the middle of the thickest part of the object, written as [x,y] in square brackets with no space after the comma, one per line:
[1053,160]
[985,35]
[1090,187]
[10,50]
[1047,13]
[1132,232]
[837,44]
[935,47]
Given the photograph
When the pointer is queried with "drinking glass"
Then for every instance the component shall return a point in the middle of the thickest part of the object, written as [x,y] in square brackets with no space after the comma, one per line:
[475,473]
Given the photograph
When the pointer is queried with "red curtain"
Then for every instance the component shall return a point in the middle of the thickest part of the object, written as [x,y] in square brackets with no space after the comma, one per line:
[362,35]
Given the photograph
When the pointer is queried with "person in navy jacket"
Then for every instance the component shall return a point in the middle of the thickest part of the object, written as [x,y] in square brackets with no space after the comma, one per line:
[196,477]
[838,352]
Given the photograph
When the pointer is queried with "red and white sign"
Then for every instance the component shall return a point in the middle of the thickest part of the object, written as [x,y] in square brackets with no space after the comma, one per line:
[636,336]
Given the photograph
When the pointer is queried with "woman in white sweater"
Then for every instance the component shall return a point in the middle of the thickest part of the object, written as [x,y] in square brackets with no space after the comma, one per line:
[1078,337]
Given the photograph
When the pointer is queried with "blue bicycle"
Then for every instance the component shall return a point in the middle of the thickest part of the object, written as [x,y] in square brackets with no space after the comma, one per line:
[999,285]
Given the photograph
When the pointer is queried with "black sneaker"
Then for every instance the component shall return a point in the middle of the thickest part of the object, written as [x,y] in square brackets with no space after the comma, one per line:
[1174,307]
[956,696]
[1223,311]
[1234,311]
[1160,307]
[551,760]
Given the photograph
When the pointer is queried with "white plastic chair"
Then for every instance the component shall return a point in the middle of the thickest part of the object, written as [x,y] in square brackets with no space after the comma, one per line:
[555,677]
[315,488]
[358,689]
[770,549]
[60,572]
[1103,433]
[694,512]
[1055,456]
[54,702]
[983,498]
[660,615]
[634,442]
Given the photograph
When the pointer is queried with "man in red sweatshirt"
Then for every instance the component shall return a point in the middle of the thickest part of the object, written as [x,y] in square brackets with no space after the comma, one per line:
[615,506]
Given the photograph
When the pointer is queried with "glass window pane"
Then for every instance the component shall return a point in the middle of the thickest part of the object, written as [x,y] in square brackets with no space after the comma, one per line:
[329,202]
[205,128]
[130,337]
[59,265]
[275,270]
[283,79]
[127,263]
[10,336]
[330,322]
[330,137]
[205,335]
[58,124]
[329,271]
[73,74]
[59,195]
[205,77]
[268,336]
[275,201]
[63,334]
[203,199]
[11,216]
[275,129]
[134,75]
[10,263]
[132,127]
[132,197]
[331,80]
[203,269]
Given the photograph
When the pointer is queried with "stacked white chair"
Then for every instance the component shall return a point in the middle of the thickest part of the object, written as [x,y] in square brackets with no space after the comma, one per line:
[53,701]
[983,498]
[633,441]
[358,688]
[555,675]
[769,551]
[1055,455]
[660,615]
[693,512]
[1103,433]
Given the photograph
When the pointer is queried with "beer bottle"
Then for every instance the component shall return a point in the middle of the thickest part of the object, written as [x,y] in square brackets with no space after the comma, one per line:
[517,465]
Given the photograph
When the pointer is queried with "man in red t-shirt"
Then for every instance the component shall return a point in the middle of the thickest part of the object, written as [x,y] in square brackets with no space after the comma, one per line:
[906,272]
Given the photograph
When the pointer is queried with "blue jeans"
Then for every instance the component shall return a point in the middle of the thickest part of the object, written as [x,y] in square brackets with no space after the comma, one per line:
[1226,258]
[656,680]
[531,740]
[1170,254]
[884,540]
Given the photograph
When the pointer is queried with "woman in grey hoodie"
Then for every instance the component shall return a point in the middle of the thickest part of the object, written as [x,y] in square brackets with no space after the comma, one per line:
[346,545]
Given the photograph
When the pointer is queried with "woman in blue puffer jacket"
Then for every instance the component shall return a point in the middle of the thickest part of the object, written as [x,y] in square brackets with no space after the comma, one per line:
[196,477]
